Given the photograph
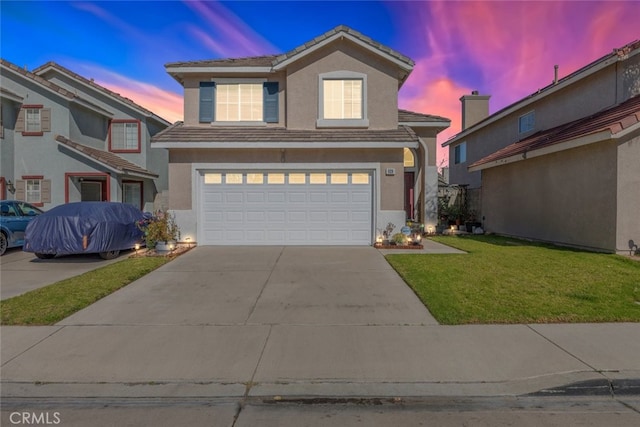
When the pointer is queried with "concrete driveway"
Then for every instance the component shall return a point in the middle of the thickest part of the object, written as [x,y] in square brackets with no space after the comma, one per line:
[270,285]
[295,321]
[23,272]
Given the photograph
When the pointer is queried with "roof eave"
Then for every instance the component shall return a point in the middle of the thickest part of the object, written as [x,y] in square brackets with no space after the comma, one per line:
[283,63]
[581,141]
[117,171]
[254,145]
[541,94]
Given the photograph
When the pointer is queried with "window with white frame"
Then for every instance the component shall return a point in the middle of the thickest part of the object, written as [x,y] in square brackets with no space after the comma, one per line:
[124,135]
[33,190]
[32,120]
[342,100]
[460,153]
[527,122]
[239,102]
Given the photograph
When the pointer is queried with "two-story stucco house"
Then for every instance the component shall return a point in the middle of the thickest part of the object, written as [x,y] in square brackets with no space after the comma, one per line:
[307,147]
[66,139]
[563,164]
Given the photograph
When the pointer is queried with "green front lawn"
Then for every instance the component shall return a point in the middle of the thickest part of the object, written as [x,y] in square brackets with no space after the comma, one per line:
[49,305]
[504,280]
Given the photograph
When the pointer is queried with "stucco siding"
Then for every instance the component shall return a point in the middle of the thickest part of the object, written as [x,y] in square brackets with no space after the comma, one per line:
[628,214]
[180,185]
[592,94]
[567,197]
[303,85]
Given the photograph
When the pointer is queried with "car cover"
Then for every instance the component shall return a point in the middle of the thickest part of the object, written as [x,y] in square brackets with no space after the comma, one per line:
[84,227]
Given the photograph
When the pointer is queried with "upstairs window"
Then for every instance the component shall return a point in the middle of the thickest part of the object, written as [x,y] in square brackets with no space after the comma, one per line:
[460,153]
[527,122]
[239,102]
[124,136]
[33,120]
[342,100]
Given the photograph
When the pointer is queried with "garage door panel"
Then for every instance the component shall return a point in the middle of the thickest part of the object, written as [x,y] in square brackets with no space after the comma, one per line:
[233,197]
[297,197]
[323,210]
[299,217]
[276,197]
[318,197]
[255,197]
[276,216]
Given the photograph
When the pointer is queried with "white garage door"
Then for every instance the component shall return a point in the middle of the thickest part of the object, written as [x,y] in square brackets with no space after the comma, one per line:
[295,208]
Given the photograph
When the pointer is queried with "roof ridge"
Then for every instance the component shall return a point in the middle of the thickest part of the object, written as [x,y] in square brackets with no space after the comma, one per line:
[95,85]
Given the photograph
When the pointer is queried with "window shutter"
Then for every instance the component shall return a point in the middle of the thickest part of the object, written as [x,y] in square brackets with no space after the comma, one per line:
[20,121]
[45,191]
[270,102]
[20,189]
[45,120]
[207,95]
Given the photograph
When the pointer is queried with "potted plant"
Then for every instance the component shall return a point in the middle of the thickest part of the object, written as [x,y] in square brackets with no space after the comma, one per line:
[160,231]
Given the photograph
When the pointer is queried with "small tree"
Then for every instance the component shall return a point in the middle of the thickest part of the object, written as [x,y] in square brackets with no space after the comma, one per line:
[161,227]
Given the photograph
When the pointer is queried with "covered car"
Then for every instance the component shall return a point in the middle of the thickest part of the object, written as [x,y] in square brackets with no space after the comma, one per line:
[105,228]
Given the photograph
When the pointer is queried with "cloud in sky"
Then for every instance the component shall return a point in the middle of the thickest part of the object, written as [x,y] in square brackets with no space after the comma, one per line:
[504,49]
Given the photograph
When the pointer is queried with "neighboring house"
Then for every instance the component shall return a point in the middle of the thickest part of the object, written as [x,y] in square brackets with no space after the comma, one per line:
[66,139]
[562,164]
[307,147]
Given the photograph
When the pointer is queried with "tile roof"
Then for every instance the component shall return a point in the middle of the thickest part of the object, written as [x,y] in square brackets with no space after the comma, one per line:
[618,54]
[614,120]
[6,93]
[98,87]
[106,158]
[405,116]
[178,133]
[274,60]
[71,96]
[42,81]
[346,30]
[254,61]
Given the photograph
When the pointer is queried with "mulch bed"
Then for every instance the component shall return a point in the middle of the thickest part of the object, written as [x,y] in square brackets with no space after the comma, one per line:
[381,246]
[179,250]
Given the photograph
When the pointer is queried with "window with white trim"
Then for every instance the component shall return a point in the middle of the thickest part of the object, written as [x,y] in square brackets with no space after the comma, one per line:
[33,190]
[342,100]
[239,102]
[124,135]
[32,120]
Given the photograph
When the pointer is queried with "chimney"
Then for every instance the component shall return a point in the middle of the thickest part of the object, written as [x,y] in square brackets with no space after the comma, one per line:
[555,74]
[474,108]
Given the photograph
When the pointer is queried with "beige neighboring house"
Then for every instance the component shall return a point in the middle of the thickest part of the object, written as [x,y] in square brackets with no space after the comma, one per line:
[562,165]
[304,148]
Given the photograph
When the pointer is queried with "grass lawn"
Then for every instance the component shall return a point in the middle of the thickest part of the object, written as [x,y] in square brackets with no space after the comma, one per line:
[504,280]
[49,305]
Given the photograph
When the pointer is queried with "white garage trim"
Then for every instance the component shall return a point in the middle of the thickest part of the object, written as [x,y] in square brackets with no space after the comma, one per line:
[353,231]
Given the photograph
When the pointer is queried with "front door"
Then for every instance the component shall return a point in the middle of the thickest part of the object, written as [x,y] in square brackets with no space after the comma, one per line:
[409,202]
[91,191]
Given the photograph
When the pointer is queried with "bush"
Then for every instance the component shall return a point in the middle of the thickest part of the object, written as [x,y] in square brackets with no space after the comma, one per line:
[160,227]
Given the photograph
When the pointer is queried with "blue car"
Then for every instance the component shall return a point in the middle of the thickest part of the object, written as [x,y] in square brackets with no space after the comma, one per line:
[14,217]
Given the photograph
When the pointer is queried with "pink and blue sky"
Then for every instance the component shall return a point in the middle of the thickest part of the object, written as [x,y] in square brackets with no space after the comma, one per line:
[504,49]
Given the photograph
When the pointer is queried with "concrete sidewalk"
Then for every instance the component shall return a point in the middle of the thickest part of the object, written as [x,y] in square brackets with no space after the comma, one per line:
[291,321]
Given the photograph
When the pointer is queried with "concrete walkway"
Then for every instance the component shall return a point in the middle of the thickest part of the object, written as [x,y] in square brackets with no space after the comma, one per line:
[296,321]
